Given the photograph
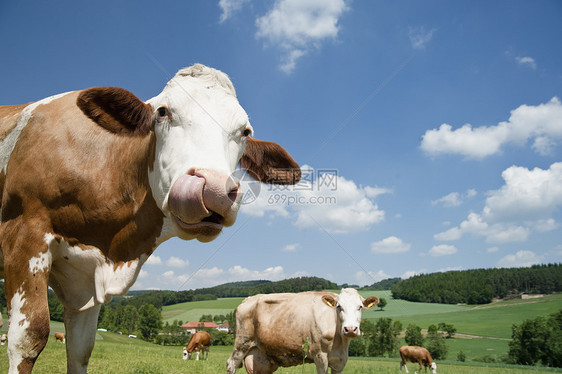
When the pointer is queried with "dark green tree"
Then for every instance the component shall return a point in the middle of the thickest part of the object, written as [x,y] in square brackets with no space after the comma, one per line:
[385,339]
[413,335]
[435,343]
[150,321]
[538,339]
[449,329]
[382,303]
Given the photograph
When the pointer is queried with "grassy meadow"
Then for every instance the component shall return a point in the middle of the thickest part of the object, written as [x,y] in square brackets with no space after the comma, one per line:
[119,354]
[492,323]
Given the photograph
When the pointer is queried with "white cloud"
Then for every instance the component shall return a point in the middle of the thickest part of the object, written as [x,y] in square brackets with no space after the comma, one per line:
[526,61]
[541,123]
[392,244]
[154,260]
[371,277]
[229,7]
[526,194]
[519,259]
[328,202]
[290,247]
[419,36]
[298,26]
[374,192]
[240,273]
[442,250]
[493,249]
[209,277]
[411,273]
[545,225]
[177,262]
[142,274]
[454,199]
[523,205]
[449,268]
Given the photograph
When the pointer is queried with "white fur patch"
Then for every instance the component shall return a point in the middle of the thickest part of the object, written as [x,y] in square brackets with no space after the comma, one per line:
[40,263]
[17,330]
[83,278]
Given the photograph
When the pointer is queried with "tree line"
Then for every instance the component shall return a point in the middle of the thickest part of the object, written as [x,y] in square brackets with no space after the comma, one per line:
[479,286]
[382,338]
[245,289]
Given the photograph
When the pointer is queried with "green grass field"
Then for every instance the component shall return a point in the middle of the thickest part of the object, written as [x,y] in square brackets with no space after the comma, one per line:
[118,354]
[493,321]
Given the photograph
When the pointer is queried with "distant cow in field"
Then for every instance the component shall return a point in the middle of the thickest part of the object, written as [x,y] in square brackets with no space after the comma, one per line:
[271,330]
[419,355]
[93,181]
[59,337]
[199,342]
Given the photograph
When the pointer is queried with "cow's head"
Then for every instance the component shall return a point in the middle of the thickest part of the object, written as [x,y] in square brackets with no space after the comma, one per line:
[434,367]
[201,134]
[348,305]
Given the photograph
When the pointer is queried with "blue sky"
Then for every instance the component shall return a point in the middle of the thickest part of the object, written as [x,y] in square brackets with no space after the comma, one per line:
[430,132]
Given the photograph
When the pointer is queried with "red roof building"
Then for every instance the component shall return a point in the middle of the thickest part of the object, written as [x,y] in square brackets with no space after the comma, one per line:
[198,325]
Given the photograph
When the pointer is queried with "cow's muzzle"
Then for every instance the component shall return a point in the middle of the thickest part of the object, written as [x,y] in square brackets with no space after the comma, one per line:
[202,201]
[351,331]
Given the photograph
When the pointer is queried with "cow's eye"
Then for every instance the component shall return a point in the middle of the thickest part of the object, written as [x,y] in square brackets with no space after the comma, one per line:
[247,132]
[163,111]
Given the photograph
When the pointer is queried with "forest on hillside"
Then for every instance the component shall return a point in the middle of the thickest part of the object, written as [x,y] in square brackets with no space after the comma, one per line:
[479,286]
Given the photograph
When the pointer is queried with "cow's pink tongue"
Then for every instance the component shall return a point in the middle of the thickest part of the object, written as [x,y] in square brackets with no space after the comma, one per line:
[186,199]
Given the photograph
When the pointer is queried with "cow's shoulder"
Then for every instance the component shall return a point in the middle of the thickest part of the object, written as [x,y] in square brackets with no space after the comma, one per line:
[9,115]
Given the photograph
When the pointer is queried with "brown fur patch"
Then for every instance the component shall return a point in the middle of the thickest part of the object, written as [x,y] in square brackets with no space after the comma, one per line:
[116,110]
[270,163]
[9,116]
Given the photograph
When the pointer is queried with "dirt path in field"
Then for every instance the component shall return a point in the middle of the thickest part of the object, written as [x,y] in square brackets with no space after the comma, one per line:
[468,336]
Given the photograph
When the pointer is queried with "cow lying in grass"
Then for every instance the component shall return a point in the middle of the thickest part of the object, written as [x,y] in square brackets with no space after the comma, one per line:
[419,355]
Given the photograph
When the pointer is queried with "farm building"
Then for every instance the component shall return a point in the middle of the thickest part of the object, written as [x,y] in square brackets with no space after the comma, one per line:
[192,327]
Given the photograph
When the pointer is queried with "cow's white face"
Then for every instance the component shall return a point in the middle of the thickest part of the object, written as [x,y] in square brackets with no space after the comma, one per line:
[197,133]
[201,133]
[349,305]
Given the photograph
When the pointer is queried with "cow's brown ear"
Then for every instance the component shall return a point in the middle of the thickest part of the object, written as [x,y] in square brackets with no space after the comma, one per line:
[116,110]
[270,163]
[370,302]
[330,301]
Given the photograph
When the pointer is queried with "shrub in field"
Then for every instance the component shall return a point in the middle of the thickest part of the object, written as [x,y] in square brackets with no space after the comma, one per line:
[413,335]
[435,344]
[538,339]
[448,328]
[461,356]
[385,337]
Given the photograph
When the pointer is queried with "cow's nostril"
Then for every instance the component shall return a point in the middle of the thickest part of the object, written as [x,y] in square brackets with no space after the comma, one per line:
[233,193]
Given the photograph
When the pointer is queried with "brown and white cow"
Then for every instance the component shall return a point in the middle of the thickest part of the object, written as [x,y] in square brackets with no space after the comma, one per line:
[419,355]
[199,342]
[271,330]
[93,181]
[59,337]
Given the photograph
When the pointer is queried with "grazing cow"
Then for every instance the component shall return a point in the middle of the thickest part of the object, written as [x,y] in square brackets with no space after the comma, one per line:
[59,337]
[419,355]
[199,342]
[3,339]
[272,330]
[93,181]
